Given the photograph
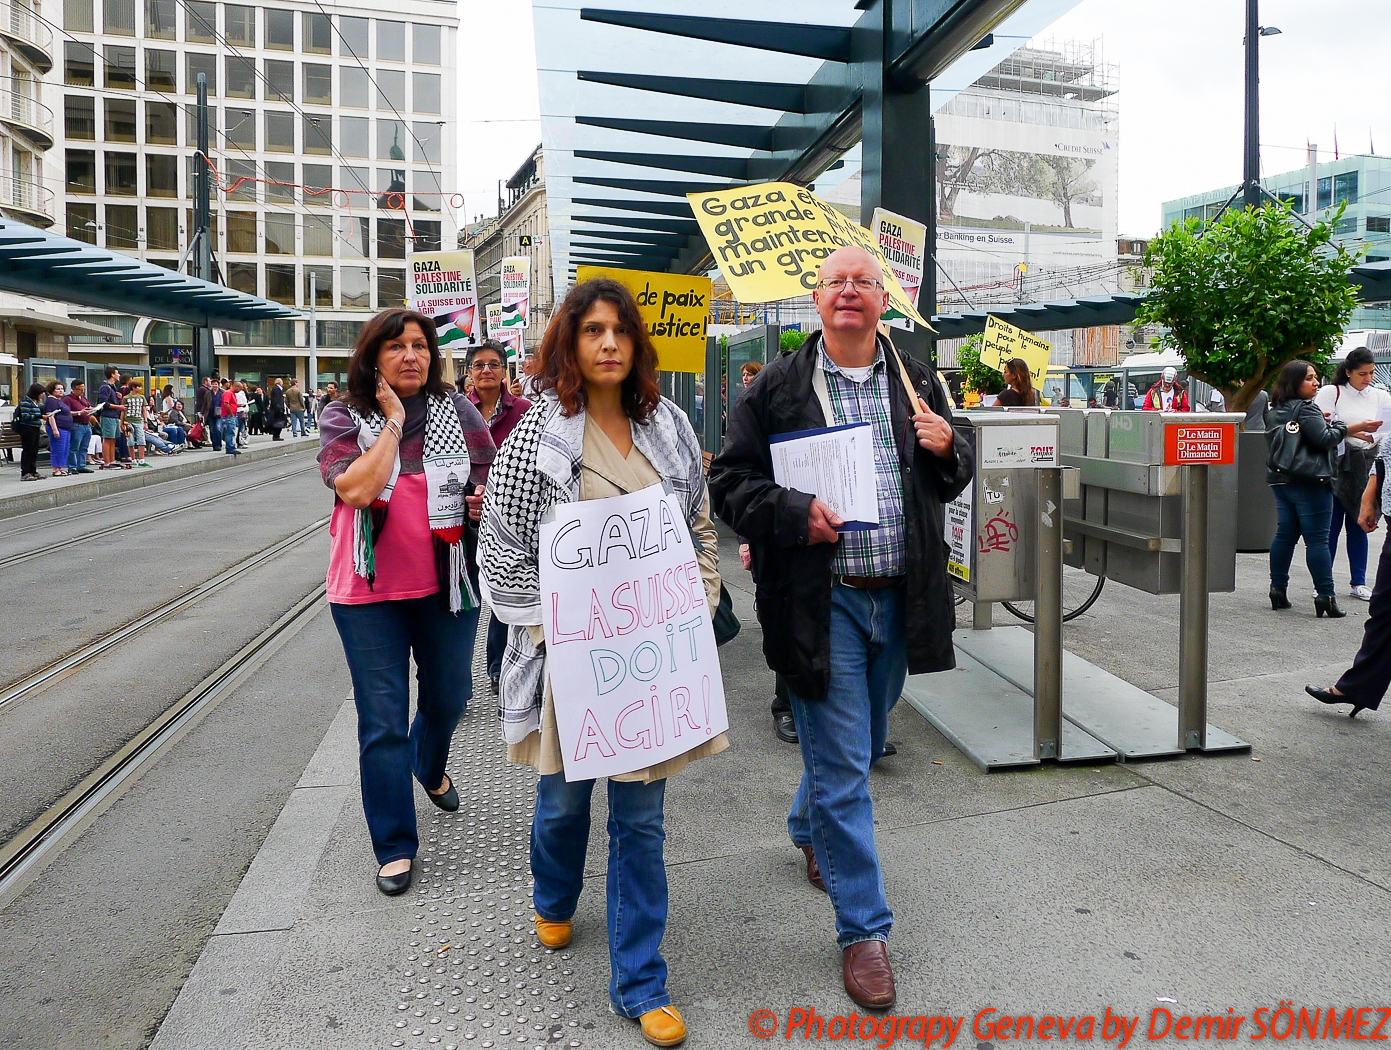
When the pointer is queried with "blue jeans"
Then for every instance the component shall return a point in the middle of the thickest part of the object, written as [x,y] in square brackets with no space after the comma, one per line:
[228,426]
[215,432]
[241,428]
[379,639]
[77,452]
[841,737]
[1302,509]
[297,426]
[637,878]
[497,643]
[175,434]
[1357,542]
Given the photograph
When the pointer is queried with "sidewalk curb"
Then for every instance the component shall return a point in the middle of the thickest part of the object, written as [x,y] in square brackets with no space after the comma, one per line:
[107,483]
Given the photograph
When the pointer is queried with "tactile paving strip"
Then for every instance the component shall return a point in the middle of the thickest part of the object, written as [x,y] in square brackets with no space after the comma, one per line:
[472,972]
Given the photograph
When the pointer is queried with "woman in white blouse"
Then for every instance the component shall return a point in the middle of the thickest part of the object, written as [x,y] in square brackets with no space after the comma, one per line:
[1352,398]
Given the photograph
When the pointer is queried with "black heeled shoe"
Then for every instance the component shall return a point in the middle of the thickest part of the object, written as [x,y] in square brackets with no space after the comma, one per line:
[447,800]
[1325,696]
[395,885]
[1278,600]
[1357,709]
[1327,605]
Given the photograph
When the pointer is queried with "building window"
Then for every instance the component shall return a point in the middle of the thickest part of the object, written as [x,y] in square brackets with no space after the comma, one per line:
[122,226]
[82,222]
[323,286]
[79,64]
[1379,223]
[205,64]
[280,81]
[160,69]
[280,234]
[427,194]
[1345,188]
[1347,224]
[160,22]
[120,120]
[118,17]
[318,134]
[425,44]
[1325,197]
[240,177]
[355,291]
[241,277]
[80,117]
[352,33]
[280,182]
[426,97]
[390,140]
[355,236]
[200,23]
[318,185]
[391,41]
[391,288]
[391,238]
[280,30]
[318,84]
[353,136]
[120,174]
[241,77]
[241,24]
[280,132]
[318,235]
[162,228]
[241,128]
[161,174]
[318,34]
[391,90]
[191,128]
[427,236]
[353,87]
[77,16]
[120,67]
[280,283]
[339,334]
[81,171]
[241,232]
[212,221]
[161,123]
[427,142]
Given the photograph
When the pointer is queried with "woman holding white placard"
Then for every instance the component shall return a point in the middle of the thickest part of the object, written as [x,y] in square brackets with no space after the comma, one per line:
[600,428]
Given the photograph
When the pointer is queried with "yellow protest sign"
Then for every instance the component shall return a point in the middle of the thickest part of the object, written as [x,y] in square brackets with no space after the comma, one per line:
[1004,341]
[770,239]
[675,306]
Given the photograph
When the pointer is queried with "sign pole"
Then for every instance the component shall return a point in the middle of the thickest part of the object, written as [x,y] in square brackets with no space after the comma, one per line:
[1193,611]
[1048,616]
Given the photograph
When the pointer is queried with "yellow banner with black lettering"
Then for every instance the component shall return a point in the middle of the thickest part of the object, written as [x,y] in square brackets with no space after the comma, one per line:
[675,306]
[1004,341]
[769,241]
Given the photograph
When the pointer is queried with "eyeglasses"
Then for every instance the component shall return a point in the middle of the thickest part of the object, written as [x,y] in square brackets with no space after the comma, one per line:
[862,284]
[486,366]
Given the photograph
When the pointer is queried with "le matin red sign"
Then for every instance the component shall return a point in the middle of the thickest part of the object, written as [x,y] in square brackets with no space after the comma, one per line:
[1187,443]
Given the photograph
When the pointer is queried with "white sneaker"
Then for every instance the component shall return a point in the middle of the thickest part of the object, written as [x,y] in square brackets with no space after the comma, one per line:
[1364,592]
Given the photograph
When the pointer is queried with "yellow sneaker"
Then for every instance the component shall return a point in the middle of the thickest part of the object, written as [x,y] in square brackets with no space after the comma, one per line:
[663,1026]
[553,934]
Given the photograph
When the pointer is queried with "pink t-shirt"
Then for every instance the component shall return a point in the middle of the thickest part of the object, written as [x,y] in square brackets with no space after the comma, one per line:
[405,551]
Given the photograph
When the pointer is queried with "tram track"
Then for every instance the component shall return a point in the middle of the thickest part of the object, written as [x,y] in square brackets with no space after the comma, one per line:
[50,548]
[61,668]
[25,855]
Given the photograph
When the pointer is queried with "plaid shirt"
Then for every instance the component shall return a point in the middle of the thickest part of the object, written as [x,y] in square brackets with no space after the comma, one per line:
[881,551]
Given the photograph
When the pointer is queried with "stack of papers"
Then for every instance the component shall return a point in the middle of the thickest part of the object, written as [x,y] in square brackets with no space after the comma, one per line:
[834,464]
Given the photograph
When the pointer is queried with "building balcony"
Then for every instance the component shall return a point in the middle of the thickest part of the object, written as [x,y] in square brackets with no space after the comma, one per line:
[27,201]
[27,34]
[27,115]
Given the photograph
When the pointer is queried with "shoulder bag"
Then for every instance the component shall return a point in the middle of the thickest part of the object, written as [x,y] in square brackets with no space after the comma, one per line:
[1293,459]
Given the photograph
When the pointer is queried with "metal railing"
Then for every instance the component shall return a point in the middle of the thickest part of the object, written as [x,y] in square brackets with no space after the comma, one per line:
[22,26]
[25,111]
[25,196]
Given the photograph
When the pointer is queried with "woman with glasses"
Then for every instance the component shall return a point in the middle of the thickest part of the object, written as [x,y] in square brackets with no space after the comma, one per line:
[501,410]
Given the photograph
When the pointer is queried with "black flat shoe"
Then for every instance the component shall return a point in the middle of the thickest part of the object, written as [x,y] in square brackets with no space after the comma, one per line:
[447,800]
[395,885]
[785,727]
[890,748]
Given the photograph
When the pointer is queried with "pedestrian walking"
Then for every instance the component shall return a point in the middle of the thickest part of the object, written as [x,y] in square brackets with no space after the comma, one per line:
[1300,470]
[243,410]
[228,418]
[28,422]
[601,429]
[58,419]
[846,617]
[402,454]
[1019,385]
[501,410]
[276,417]
[1352,398]
[1167,395]
[294,403]
[109,398]
[81,410]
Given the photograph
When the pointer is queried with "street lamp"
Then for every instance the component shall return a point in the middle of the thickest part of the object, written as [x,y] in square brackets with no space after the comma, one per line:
[1251,167]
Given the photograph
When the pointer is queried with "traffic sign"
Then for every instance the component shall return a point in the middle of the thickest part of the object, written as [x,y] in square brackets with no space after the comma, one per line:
[1188,443]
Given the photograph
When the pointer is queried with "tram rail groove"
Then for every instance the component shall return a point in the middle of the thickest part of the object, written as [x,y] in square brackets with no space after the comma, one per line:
[24,856]
[47,549]
[60,669]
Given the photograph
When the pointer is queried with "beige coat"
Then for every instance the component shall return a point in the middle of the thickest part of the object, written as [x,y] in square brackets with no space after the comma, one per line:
[607,473]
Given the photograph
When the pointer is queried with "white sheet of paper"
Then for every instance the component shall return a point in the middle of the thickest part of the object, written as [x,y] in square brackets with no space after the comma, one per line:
[834,464]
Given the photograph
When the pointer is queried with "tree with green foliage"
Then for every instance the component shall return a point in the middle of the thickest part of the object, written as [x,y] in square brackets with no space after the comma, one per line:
[981,378]
[791,340]
[1243,296]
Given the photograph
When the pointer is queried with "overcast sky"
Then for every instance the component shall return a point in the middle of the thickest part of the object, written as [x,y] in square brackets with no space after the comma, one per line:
[1180,103]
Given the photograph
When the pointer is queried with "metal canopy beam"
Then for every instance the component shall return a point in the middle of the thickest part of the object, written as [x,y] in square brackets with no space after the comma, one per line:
[664,240]
[746,136]
[677,209]
[725,167]
[829,42]
[667,187]
[791,98]
[687,227]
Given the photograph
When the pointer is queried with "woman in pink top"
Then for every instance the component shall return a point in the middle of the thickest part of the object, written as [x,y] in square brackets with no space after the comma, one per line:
[404,456]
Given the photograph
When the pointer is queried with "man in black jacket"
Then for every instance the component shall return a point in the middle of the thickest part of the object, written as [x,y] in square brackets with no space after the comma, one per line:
[847,616]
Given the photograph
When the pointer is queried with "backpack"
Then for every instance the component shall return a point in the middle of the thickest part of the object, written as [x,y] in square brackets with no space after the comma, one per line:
[26,414]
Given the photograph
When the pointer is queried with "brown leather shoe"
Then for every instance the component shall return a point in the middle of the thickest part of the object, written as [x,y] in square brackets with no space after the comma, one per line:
[869,979]
[813,872]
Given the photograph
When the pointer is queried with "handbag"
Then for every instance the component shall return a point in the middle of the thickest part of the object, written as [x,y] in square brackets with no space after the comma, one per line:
[725,623]
[1350,482]
[1293,459]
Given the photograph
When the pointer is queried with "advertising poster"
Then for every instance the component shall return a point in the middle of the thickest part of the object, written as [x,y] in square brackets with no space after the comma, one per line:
[441,285]
[769,241]
[904,244]
[628,632]
[676,308]
[960,536]
[1004,341]
[516,291]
